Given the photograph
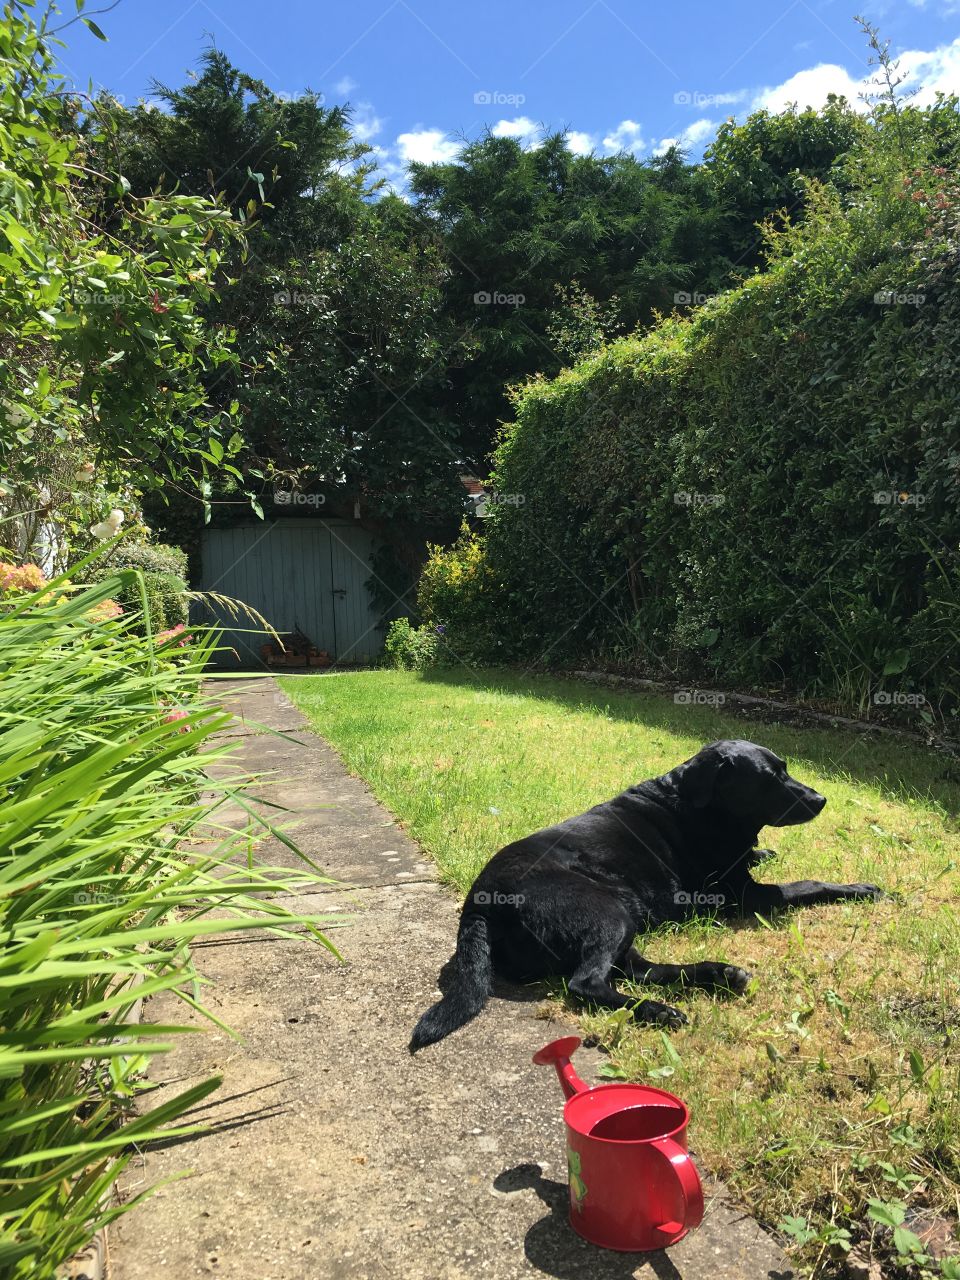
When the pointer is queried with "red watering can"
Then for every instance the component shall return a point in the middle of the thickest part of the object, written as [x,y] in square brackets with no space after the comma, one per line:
[633,1185]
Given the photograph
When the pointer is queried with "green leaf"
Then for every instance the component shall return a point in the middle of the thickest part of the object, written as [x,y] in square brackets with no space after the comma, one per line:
[907,1242]
[889,1213]
[917,1069]
[92,26]
[896,663]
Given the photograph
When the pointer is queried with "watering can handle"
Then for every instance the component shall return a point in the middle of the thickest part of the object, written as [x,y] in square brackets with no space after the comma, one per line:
[685,1171]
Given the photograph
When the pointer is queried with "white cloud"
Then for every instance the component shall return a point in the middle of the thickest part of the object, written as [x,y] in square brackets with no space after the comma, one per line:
[365,122]
[692,139]
[937,71]
[525,130]
[345,86]
[926,71]
[810,88]
[581,144]
[627,136]
[427,146]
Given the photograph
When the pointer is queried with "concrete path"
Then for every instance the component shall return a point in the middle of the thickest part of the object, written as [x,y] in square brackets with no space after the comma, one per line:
[335,1155]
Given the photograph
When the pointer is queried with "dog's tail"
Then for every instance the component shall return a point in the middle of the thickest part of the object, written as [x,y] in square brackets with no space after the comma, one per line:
[468,994]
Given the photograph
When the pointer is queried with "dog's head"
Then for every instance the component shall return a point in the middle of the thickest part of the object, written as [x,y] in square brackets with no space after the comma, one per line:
[748,782]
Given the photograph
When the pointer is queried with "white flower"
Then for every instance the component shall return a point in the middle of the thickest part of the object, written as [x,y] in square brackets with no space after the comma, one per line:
[108,528]
[86,472]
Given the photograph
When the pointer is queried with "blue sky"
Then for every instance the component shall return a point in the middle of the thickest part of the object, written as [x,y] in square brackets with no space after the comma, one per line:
[424,75]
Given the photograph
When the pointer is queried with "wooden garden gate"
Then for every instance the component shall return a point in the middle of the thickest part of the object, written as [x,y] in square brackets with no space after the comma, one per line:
[302,575]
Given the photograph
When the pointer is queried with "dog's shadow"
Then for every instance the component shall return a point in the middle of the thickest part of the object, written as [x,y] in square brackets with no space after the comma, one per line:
[553,1247]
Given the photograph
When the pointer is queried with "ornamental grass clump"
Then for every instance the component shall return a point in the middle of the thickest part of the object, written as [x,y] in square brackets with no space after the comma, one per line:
[113,859]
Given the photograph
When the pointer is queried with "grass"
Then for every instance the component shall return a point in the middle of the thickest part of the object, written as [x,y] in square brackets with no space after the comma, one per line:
[828,1096]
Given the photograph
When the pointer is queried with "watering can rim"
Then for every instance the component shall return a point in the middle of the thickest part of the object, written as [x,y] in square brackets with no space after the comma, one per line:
[591,1093]
[559,1051]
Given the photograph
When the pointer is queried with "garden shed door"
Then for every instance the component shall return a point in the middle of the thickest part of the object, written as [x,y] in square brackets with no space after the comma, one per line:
[306,575]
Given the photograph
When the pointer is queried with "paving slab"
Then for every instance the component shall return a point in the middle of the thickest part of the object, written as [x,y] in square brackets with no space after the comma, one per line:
[333,1153]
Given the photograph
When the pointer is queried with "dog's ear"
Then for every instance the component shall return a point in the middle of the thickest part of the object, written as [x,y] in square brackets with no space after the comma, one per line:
[697,778]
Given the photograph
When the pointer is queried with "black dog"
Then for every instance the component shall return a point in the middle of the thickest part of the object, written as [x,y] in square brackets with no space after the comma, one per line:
[569,900]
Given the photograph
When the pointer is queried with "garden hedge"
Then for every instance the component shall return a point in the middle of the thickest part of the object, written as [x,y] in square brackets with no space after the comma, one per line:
[764,492]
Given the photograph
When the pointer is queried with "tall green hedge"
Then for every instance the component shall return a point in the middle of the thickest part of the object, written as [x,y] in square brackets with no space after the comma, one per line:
[765,492]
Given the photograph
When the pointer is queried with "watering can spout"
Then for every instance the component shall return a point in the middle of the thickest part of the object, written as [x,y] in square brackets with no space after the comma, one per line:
[557,1054]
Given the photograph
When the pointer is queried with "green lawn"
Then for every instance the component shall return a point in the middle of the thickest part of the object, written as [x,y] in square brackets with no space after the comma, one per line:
[836,1079]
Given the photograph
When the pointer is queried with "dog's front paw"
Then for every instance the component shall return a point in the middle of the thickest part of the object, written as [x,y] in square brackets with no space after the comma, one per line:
[660,1014]
[871,891]
[761,855]
[735,979]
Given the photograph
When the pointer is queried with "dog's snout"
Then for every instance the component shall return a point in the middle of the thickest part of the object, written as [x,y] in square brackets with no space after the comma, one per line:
[812,801]
[802,804]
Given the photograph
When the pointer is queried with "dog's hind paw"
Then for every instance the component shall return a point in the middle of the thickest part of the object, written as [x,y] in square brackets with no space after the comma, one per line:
[660,1014]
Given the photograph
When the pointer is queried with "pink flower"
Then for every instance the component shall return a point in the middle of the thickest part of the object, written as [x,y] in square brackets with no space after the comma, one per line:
[164,637]
[21,578]
[105,610]
[176,714]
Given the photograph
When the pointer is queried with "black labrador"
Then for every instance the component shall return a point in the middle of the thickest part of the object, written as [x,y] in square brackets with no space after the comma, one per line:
[569,900]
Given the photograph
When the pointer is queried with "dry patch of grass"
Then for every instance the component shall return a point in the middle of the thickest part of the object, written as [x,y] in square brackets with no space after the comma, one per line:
[829,1095]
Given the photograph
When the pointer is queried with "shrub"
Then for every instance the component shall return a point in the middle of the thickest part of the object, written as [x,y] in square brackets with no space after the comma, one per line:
[103,751]
[151,557]
[456,592]
[160,579]
[412,648]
